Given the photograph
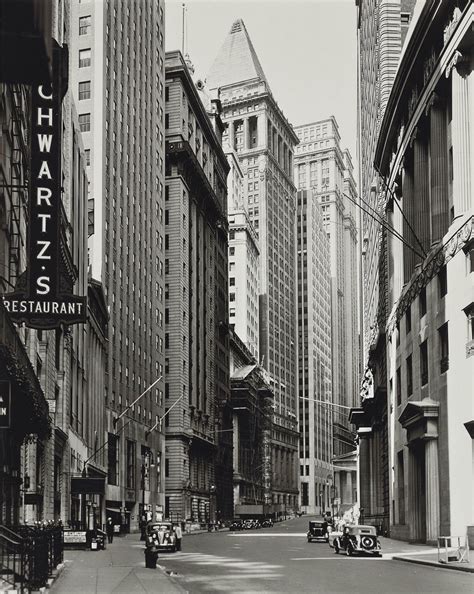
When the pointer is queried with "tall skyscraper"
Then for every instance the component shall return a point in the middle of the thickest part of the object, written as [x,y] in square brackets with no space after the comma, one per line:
[325,171]
[264,141]
[199,467]
[381,28]
[244,256]
[117,57]
[314,354]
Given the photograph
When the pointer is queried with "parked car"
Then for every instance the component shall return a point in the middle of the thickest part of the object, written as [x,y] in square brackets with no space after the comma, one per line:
[161,535]
[268,523]
[236,525]
[317,530]
[358,540]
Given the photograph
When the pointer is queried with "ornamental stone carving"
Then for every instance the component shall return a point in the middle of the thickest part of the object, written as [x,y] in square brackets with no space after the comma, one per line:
[429,65]
[449,29]
[412,101]
[437,258]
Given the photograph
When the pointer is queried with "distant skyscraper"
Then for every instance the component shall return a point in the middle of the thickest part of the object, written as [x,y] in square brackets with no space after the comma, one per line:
[117,60]
[264,141]
[314,353]
[325,171]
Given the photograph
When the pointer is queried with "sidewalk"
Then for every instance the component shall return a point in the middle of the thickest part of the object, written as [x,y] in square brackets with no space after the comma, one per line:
[119,569]
[421,554]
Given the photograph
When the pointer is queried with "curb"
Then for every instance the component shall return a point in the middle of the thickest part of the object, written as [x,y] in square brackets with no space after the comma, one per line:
[203,532]
[434,564]
[172,579]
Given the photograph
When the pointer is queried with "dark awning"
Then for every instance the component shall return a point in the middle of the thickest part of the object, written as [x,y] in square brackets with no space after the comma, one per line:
[87,485]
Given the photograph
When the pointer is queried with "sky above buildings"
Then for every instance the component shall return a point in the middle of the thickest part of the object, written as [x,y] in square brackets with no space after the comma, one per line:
[307,49]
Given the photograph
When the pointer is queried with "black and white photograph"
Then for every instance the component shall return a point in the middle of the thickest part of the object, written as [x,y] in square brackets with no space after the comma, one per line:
[236,296]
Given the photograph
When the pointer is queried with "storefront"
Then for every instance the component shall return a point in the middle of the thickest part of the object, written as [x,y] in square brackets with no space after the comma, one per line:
[25,415]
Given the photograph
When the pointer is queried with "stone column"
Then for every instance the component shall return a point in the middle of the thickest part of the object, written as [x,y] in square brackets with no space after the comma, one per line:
[413,511]
[245,124]
[337,484]
[421,190]
[261,129]
[460,136]
[408,211]
[365,478]
[349,487]
[432,491]
[231,135]
[439,169]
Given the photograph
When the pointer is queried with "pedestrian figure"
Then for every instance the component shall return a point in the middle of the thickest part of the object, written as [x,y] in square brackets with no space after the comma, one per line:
[179,536]
[110,530]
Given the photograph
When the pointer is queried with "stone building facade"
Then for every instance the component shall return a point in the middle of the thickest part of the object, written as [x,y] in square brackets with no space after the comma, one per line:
[325,171]
[425,153]
[314,355]
[381,29]
[51,371]
[198,466]
[117,60]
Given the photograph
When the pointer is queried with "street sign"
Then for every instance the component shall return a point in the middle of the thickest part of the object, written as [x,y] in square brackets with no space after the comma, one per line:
[5,405]
[74,537]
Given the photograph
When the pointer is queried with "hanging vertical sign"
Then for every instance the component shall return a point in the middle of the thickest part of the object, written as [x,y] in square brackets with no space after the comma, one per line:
[5,405]
[44,299]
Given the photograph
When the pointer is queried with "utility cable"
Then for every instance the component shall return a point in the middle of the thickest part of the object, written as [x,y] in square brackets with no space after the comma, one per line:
[387,227]
[400,209]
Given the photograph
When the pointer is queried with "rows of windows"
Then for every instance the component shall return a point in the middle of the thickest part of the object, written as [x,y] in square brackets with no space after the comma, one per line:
[443,364]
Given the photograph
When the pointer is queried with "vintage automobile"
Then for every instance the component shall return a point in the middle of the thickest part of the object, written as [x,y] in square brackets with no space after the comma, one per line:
[161,535]
[318,530]
[357,540]
[236,525]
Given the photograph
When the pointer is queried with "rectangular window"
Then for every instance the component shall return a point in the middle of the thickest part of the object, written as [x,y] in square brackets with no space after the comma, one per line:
[130,464]
[87,153]
[408,320]
[443,348]
[409,376]
[442,282]
[424,362]
[84,58]
[84,25]
[84,90]
[399,386]
[112,449]
[167,121]
[85,122]
[422,301]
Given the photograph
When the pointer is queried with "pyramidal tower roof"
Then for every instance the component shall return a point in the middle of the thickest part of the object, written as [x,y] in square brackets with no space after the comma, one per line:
[236,61]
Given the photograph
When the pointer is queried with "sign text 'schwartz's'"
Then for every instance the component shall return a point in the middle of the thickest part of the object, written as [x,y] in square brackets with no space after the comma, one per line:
[40,300]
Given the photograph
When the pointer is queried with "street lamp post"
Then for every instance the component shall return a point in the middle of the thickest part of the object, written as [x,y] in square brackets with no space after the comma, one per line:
[146,458]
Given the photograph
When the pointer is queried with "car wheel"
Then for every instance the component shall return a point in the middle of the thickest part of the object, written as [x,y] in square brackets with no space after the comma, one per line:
[336,548]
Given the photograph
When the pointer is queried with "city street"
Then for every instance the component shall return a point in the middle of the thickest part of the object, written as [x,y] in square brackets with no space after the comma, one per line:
[279,559]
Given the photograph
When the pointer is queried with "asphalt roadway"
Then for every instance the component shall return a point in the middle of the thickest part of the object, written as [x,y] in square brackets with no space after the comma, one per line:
[279,559]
